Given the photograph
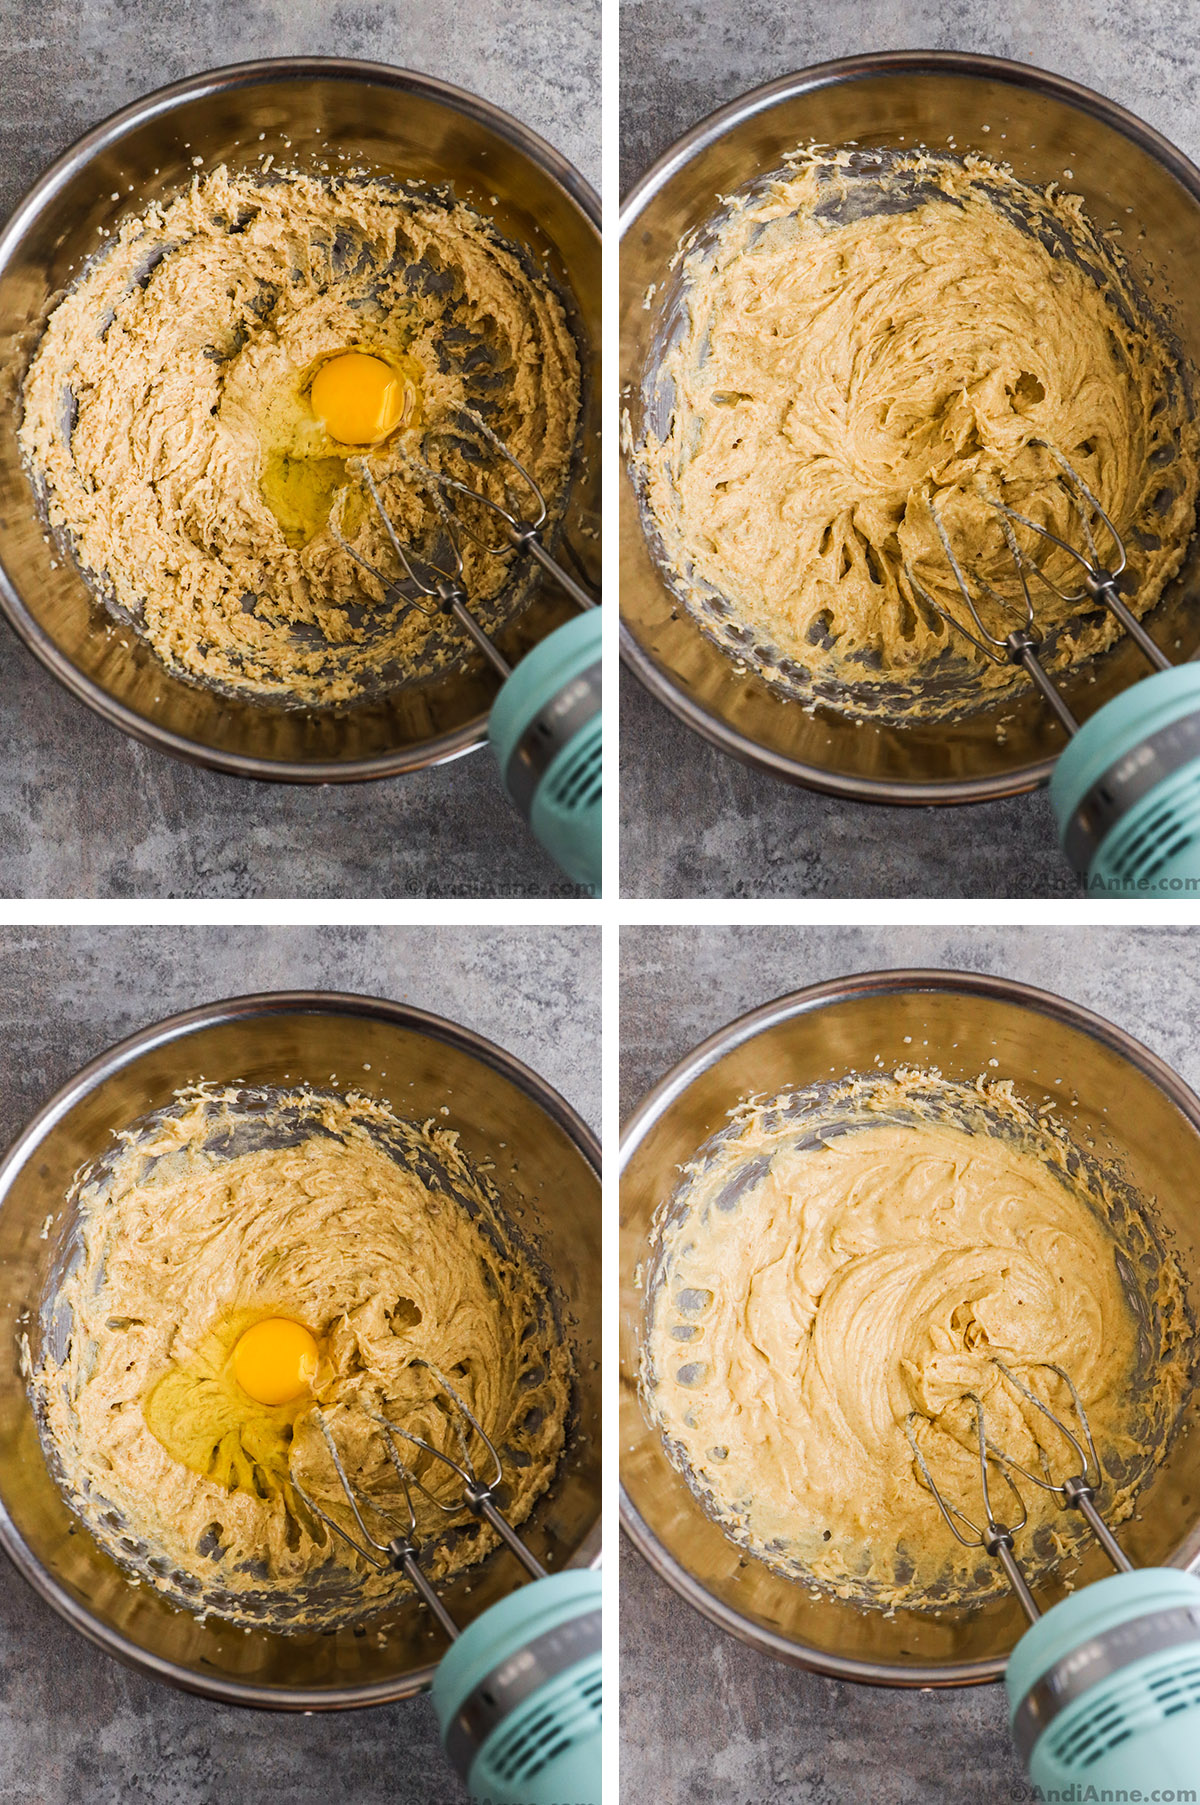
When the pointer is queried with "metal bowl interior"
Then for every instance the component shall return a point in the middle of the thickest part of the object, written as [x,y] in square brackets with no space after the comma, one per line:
[547,1170]
[402,125]
[1130,179]
[1107,1087]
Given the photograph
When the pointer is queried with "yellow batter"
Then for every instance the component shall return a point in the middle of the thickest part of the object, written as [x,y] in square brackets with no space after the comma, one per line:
[169,418]
[854,348]
[223,1214]
[814,1287]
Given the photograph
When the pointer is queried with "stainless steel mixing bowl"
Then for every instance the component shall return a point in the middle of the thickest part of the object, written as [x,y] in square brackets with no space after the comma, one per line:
[547,1170]
[391,120]
[1109,1089]
[1044,126]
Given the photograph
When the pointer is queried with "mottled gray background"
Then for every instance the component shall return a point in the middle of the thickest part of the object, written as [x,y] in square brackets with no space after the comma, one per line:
[75,1727]
[705,1720]
[731,831]
[84,811]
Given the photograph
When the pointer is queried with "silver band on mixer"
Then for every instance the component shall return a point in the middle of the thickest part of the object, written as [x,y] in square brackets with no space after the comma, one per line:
[555,727]
[1096,1660]
[514,1680]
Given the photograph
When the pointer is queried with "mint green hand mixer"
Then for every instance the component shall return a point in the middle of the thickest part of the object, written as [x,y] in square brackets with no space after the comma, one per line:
[1104,1689]
[517,1695]
[1126,791]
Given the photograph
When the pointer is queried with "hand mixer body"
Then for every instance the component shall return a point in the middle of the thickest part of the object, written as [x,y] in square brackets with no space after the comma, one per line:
[1104,1690]
[518,1696]
[1126,791]
[546,734]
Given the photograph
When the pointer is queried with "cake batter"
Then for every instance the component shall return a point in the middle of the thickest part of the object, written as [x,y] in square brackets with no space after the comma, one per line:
[823,1274]
[174,419]
[390,1260]
[862,337]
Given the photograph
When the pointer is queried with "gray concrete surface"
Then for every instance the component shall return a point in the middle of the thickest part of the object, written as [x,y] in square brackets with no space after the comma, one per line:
[704,1720]
[75,1727]
[729,830]
[83,810]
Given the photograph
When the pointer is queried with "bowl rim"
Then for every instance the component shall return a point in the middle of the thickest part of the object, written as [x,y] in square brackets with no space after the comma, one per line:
[654,1104]
[89,1078]
[835,73]
[42,194]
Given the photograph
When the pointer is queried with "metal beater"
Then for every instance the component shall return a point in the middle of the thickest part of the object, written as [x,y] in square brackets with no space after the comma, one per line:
[1126,792]
[518,1694]
[544,726]
[1104,1689]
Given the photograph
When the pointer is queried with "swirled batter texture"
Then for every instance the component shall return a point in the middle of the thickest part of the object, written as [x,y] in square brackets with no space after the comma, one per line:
[861,339]
[381,1240]
[821,1286]
[167,419]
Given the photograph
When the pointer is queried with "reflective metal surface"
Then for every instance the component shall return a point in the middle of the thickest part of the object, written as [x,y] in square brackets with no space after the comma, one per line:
[404,125]
[547,1170]
[1042,125]
[1108,1089]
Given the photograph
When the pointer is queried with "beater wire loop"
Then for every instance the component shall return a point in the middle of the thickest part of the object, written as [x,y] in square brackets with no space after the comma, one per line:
[426,576]
[464,1467]
[999,650]
[1020,645]
[519,528]
[993,1531]
[1089,1461]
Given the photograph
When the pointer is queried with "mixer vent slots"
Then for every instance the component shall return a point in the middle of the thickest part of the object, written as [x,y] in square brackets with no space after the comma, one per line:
[1177,1692]
[572,1713]
[1141,1702]
[1165,834]
[577,786]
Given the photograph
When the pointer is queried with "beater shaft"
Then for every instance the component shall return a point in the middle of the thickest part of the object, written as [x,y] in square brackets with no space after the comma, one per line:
[1135,629]
[1103,1534]
[578,594]
[487,1510]
[1016,1579]
[409,1565]
[1021,651]
[455,602]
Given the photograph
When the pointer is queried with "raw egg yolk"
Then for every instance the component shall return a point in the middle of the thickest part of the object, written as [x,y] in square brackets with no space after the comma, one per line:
[358,398]
[275,1361]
